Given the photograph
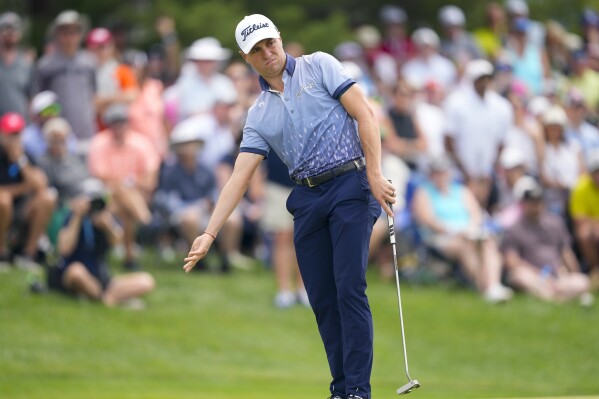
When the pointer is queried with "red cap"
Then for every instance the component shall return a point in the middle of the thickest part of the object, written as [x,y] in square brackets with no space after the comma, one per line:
[98,37]
[11,123]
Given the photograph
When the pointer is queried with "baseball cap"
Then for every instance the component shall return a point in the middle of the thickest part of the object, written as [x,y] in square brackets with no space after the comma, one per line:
[517,7]
[521,24]
[10,19]
[11,123]
[348,51]
[528,189]
[68,17]
[195,129]
[589,18]
[115,113]
[252,29]
[98,37]
[555,115]
[57,125]
[477,69]
[425,37]
[392,14]
[208,49]
[592,161]
[45,103]
[451,15]
[511,157]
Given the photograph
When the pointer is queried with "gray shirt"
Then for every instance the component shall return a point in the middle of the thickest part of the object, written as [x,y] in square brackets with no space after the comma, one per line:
[65,174]
[73,79]
[15,85]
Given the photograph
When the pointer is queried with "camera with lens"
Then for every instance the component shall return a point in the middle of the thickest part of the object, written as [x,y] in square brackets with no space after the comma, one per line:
[96,204]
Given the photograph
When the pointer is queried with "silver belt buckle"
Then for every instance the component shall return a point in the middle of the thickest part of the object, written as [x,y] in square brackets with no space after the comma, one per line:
[309,180]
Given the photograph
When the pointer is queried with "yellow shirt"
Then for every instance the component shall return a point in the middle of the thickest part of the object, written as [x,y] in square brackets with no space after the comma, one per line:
[584,200]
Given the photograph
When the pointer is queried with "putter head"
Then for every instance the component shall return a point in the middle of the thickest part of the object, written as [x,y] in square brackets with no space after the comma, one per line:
[413,384]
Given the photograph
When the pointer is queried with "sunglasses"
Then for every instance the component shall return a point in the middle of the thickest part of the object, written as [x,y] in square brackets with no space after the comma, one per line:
[51,110]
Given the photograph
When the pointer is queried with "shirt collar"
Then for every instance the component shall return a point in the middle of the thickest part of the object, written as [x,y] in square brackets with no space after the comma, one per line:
[289,67]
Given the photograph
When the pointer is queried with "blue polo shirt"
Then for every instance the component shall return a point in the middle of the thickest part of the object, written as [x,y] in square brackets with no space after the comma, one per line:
[305,125]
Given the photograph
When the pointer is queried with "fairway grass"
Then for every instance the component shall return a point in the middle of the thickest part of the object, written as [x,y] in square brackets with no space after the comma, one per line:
[211,336]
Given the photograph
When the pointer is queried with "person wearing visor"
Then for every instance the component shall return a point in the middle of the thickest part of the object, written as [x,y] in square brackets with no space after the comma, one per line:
[313,116]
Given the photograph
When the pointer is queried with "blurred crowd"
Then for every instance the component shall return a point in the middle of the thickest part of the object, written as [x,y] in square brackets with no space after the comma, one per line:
[491,136]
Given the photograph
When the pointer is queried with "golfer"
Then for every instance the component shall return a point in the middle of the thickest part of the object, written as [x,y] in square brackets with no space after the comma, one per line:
[307,114]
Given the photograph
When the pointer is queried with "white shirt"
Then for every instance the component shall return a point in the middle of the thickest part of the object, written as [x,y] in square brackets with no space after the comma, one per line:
[436,68]
[518,138]
[431,120]
[197,94]
[561,163]
[478,127]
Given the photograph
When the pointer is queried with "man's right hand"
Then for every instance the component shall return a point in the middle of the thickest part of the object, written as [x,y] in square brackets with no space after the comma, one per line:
[199,249]
[80,206]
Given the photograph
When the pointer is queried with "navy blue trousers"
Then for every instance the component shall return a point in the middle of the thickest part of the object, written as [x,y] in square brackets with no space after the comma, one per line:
[332,227]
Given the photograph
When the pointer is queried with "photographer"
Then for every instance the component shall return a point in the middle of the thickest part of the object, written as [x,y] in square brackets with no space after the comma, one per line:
[87,235]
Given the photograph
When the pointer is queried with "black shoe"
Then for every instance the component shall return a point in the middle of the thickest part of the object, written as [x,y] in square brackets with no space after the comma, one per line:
[334,397]
[131,266]
[355,397]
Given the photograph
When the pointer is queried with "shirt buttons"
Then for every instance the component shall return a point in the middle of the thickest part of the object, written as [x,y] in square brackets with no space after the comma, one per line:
[292,111]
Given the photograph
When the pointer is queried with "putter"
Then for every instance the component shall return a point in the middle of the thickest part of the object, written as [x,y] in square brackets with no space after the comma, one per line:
[412,384]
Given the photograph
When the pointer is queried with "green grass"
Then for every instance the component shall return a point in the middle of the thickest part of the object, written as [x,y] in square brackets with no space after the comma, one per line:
[212,336]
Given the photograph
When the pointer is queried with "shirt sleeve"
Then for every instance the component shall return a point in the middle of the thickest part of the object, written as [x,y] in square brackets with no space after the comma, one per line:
[253,142]
[334,77]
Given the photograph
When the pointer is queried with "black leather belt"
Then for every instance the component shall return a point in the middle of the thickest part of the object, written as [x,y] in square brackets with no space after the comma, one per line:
[313,181]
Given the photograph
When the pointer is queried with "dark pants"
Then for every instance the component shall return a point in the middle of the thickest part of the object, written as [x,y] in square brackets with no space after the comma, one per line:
[332,227]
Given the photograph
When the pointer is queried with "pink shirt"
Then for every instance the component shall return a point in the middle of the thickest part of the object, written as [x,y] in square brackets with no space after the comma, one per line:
[129,162]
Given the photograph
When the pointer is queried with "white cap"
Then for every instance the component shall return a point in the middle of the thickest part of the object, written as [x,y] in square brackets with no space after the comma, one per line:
[538,105]
[555,115]
[197,128]
[392,14]
[511,157]
[425,37]
[368,36]
[451,16]
[43,100]
[68,17]
[524,184]
[208,49]
[518,7]
[252,29]
[476,69]
[57,124]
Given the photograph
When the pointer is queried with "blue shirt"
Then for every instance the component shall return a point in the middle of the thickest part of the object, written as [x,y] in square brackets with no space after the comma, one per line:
[305,125]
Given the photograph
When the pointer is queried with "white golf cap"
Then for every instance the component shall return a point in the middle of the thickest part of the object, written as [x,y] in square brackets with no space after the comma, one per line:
[68,17]
[538,105]
[451,16]
[43,100]
[476,69]
[392,14]
[58,124]
[252,29]
[555,115]
[425,37]
[208,49]
[517,7]
[511,157]
[199,128]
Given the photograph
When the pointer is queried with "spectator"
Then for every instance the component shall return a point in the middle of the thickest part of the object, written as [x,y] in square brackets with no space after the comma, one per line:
[477,120]
[578,129]
[406,139]
[585,79]
[246,83]
[490,38]
[526,133]
[165,56]
[277,222]
[584,209]
[88,233]
[458,45]
[44,107]
[538,255]
[71,74]
[188,189]
[115,82]
[427,64]
[513,174]
[429,115]
[15,66]
[517,9]
[65,170]
[195,91]
[528,60]
[557,46]
[383,66]
[128,164]
[396,40]
[26,202]
[146,112]
[353,52]
[561,161]
[451,222]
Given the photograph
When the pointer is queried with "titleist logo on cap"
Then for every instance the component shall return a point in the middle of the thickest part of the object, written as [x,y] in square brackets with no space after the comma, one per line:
[252,28]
